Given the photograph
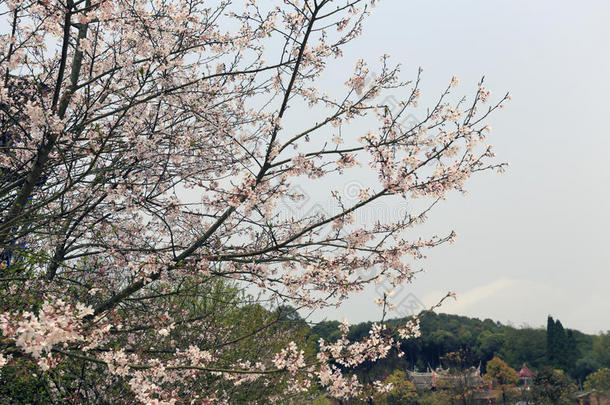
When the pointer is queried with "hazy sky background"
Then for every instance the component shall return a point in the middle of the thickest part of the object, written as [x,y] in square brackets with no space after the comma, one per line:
[536,240]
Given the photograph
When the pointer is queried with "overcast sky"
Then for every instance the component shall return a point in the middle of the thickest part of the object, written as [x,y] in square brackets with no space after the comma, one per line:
[536,240]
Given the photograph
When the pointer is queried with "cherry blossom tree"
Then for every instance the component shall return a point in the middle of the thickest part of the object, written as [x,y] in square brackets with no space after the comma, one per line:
[147,146]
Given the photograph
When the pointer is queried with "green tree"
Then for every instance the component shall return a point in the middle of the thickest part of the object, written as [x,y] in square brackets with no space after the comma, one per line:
[502,376]
[571,354]
[561,347]
[489,344]
[556,342]
[524,346]
[403,391]
[600,382]
[585,366]
[18,386]
[327,330]
[434,398]
[553,387]
[601,348]
[551,347]
[254,332]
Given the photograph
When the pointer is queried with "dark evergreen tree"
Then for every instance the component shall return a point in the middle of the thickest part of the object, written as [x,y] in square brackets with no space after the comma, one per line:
[571,355]
[561,346]
[551,340]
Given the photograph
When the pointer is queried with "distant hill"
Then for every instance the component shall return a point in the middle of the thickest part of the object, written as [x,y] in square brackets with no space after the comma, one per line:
[575,352]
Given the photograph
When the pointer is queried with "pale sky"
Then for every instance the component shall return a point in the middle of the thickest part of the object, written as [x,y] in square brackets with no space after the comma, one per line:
[536,240]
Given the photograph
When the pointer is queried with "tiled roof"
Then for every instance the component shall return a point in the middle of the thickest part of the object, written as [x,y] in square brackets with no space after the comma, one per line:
[525,372]
[442,379]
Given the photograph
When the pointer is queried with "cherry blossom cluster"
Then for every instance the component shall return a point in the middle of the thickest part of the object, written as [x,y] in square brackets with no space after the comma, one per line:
[56,324]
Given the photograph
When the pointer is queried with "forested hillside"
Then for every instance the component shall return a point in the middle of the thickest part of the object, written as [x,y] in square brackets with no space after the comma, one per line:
[577,353]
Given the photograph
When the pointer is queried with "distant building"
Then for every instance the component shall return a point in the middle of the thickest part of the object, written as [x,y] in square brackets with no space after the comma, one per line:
[525,376]
[439,378]
[469,380]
